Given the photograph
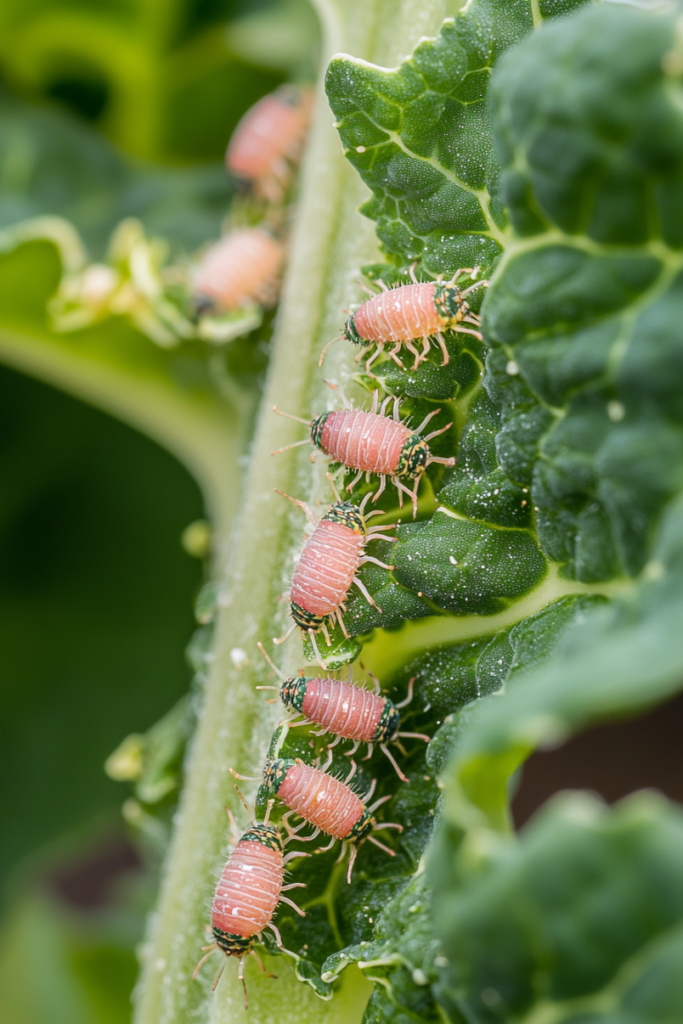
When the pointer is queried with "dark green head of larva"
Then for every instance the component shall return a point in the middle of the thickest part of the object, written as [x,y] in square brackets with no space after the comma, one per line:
[413,458]
[266,835]
[361,830]
[233,945]
[348,515]
[388,725]
[450,303]
[305,619]
[317,430]
[275,772]
[351,334]
[293,691]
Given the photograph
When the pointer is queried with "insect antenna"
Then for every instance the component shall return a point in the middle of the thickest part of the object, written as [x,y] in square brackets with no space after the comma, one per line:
[477,284]
[274,667]
[245,778]
[329,345]
[336,387]
[289,416]
[246,805]
[376,842]
[288,447]
[425,421]
[302,504]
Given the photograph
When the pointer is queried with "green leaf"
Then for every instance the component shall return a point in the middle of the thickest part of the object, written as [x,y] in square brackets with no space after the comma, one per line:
[580,920]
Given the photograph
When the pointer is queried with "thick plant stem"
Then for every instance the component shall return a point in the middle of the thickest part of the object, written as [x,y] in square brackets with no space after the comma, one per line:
[331,241]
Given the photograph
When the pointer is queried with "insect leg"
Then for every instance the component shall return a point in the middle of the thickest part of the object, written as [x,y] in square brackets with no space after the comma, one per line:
[382,485]
[352,858]
[354,769]
[406,702]
[218,978]
[466,330]
[377,803]
[300,912]
[293,854]
[375,561]
[352,751]
[294,885]
[334,742]
[411,348]
[378,352]
[397,406]
[314,645]
[364,591]
[281,640]
[385,750]
[354,481]
[257,958]
[442,345]
[414,736]
[326,849]
[369,753]
[213,949]
[394,356]
[323,629]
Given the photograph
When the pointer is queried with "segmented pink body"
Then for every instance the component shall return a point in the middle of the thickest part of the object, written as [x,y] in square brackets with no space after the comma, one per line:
[326,568]
[249,889]
[343,708]
[243,268]
[364,440]
[269,134]
[401,314]
[321,799]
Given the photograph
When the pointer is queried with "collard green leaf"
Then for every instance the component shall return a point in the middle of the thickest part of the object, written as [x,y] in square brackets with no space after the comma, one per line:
[421,137]
[578,921]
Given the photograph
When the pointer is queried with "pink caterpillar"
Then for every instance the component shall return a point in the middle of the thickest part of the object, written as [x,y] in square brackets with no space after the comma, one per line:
[242,269]
[399,316]
[268,141]
[371,442]
[328,565]
[248,893]
[345,710]
[327,803]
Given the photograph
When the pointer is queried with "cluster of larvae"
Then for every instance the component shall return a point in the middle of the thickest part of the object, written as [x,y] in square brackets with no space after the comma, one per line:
[244,268]
[372,443]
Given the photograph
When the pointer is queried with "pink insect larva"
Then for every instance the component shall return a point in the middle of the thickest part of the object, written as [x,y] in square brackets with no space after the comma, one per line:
[329,804]
[347,711]
[268,141]
[247,894]
[399,316]
[327,568]
[371,442]
[242,269]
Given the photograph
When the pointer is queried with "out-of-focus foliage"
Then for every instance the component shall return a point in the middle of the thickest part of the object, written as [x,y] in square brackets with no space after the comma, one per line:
[165,81]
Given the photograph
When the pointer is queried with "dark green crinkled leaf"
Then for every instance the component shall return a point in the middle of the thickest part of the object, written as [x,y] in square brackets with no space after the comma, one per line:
[421,137]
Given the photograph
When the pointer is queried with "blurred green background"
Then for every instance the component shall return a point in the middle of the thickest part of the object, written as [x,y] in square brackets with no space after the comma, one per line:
[108,109]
